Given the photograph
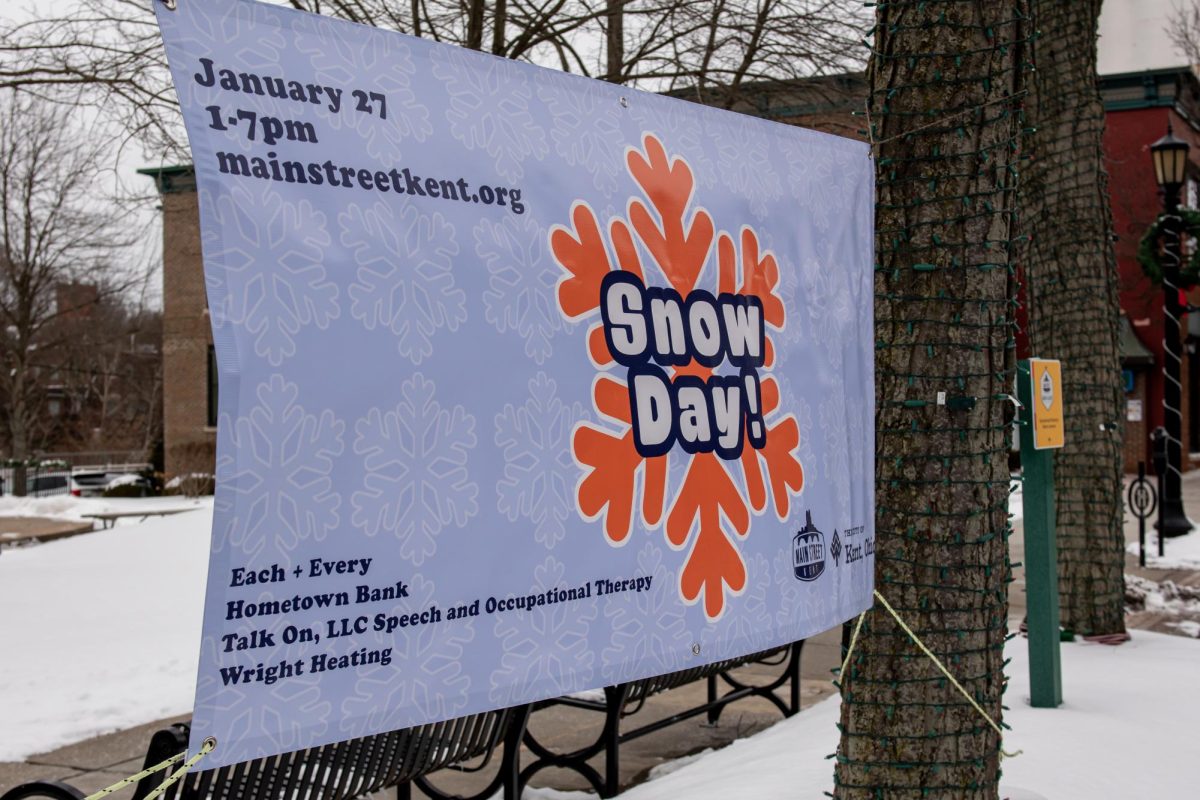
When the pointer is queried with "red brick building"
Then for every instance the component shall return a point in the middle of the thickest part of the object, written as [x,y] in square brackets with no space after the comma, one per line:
[1139,105]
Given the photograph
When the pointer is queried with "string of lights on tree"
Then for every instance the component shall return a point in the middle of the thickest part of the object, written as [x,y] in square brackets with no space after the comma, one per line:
[945,116]
[1073,306]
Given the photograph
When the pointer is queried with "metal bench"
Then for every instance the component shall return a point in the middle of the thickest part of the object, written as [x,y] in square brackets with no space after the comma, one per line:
[404,758]
[109,518]
[339,771]
[625,699]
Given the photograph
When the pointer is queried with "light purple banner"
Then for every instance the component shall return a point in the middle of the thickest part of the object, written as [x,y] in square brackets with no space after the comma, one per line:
[528,383]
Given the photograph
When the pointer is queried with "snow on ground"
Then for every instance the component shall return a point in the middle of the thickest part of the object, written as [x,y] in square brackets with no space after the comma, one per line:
[100,632]
[1182,552]
[76,508]
[1126,729]
[1016,500]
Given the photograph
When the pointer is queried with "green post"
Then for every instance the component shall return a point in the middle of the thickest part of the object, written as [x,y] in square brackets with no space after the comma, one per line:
[1041,556]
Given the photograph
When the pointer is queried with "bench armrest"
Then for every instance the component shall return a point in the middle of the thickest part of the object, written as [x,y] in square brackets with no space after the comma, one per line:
[50,790]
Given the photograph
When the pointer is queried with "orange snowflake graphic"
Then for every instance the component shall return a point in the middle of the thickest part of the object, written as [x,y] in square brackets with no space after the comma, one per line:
[710,512]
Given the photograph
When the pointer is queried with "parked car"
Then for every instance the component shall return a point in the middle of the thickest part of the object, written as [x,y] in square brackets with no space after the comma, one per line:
[43,485]
[89,484]
[128,485]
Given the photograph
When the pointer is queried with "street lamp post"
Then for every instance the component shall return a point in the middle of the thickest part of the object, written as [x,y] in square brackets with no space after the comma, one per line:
[1170,167]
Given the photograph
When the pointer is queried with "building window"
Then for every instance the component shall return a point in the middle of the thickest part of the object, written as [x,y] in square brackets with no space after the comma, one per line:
[212,387]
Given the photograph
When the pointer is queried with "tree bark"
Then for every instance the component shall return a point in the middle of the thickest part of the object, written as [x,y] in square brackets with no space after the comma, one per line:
[1072,297]
[614,50]
[474,25]
[945,78]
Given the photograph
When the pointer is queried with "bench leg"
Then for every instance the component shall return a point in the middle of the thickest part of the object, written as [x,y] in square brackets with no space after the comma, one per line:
[714,711]
[615,697]
[404,791]
[510,764]
[794,669]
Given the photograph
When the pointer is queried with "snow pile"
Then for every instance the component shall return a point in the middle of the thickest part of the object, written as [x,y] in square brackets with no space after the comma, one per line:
[1016,501]
[76,508]
[100,632]
[1137,700]
[192,477]
[1188,627]
[1143,594]
[1182,552]
[123,480]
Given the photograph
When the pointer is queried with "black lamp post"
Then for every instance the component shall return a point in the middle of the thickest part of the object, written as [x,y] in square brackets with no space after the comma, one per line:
[1170,169]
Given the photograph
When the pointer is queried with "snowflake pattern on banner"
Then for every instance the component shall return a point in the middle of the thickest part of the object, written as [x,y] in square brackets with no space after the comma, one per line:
[586,130]
[416,477]
[754,625]
[489,110]
[833,426]
[677,244]
[405,282]
[828,308]
[521,282]
[284,465]
[817,180]
[536,438]
[382,65]
[260,228]
[544,650]
[743,151]
[650,628]
[432,678]
[260,46]
[282,718]
[787,592]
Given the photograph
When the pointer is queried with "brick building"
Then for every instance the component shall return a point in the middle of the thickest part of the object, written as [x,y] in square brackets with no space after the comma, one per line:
[189,368]
[1138,107]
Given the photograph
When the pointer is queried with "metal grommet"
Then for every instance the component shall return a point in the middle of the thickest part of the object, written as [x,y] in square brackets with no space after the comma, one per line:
[696,649]
[624,102]
[171,4]
[210,743]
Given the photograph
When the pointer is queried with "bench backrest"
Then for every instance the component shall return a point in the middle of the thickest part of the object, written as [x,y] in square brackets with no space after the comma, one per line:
[336,771]
[646,687]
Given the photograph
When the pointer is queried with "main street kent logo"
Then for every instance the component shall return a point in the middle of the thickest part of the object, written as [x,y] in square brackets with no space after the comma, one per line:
[681,319]
[808,551]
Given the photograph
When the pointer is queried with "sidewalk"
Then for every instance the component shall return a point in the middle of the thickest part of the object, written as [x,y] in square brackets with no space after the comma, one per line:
[17,531]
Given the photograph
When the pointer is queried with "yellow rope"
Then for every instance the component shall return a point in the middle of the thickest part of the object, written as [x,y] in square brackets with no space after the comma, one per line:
[916,640]
[850,649]
[205,749]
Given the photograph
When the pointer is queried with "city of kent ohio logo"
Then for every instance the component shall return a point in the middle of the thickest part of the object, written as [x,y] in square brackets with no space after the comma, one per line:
[808,551]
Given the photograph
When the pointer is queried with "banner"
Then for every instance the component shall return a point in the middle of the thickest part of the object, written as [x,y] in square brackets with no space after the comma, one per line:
[528,383]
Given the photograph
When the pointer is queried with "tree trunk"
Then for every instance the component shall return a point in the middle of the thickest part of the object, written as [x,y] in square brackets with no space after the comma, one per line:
[943,110]
[614,51]
[18,426]
[1072,296]
[498,24]
[475,24]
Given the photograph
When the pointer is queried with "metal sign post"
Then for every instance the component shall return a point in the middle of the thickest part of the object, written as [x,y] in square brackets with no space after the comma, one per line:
[1158,454]
[1039,387]
[1142,500]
